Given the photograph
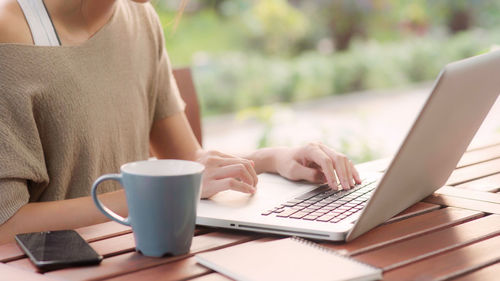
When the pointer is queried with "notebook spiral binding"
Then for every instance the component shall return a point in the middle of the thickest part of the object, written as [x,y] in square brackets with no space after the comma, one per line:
[321,248]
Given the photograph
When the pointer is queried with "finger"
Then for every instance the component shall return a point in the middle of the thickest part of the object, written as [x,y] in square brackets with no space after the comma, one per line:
[341,170]
[231,183]
[237,171]
[340,165]
[300,172]
[350,178]
[355,174]
[217,161]
[326,163]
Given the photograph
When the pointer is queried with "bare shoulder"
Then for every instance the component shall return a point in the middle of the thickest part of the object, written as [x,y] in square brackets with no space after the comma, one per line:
[13,26]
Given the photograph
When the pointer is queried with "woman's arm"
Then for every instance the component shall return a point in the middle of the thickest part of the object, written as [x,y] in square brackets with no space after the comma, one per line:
[63,214]
[314,162]
[172,137]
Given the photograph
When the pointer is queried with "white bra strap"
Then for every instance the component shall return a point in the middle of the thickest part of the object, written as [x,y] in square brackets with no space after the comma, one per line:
[42,29]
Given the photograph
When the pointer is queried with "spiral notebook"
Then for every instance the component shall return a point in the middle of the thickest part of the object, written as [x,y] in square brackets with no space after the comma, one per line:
[286,259]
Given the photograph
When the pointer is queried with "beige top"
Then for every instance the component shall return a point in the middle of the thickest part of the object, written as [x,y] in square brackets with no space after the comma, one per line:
[71,114]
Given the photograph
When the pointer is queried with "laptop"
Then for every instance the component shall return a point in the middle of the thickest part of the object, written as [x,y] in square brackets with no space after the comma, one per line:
[460,99]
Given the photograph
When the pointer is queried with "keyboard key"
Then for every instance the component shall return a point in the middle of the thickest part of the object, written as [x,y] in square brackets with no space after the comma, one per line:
[323,203]
[286,213]
[317,206]
[298,215]
[314,192]
[335,204]
[310,217]
[303,204]
[291,203]
[266,213]
[325,218]
[317,213]
[328,208]
[309,210]
[329,200]
[278,210]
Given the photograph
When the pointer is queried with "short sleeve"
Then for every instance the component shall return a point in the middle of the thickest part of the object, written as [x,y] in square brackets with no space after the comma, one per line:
[168,100]
[21,154]
[13,195]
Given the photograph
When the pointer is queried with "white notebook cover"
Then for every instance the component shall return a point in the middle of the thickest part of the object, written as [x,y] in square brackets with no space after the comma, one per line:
[286,259]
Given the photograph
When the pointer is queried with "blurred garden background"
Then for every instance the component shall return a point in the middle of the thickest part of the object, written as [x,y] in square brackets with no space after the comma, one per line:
[351,73]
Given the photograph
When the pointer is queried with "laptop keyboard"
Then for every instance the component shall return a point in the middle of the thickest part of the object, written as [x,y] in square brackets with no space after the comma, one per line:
[324,204]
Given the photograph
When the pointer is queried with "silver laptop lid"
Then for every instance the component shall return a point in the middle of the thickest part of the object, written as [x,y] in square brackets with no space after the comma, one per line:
[460,100]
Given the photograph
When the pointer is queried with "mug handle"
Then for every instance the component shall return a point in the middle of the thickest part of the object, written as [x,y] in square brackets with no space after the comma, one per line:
[106,211]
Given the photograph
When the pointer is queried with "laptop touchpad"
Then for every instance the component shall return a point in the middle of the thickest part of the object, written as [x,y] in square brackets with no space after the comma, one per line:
[230,198]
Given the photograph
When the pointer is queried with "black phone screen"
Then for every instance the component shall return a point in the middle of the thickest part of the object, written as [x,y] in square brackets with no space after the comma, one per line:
[51,250]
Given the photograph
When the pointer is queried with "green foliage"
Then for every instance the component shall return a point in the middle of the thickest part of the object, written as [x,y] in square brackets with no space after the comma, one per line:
[275,26]
[238,80]
[202,33]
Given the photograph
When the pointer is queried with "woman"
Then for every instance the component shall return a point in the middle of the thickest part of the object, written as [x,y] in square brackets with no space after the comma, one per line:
[104,97]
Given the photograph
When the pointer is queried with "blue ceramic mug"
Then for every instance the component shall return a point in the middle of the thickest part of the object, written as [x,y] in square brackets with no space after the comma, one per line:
[162,197]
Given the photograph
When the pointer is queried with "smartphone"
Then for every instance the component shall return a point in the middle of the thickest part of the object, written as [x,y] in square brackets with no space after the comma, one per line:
[50,250]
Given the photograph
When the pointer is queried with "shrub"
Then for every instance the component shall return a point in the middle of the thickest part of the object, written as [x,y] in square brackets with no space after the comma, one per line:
[231,82]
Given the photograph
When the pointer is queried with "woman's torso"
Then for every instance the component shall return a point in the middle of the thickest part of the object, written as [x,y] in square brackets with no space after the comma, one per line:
[74,113]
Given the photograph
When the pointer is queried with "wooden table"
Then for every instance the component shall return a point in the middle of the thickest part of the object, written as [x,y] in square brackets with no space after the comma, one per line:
[453,233]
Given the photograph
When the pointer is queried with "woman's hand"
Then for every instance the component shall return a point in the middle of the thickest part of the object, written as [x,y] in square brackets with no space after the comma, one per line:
[223,171]
[316,162]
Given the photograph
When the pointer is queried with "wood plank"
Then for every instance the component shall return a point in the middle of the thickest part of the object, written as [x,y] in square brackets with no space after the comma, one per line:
[178,270]
[487,184]
[402,230]
[115,245]
[131,262]
[11,252]
[416,209]
[491,272]
[447,265]
[474,156]
[473,172]
[484,143]
[469,194]
[103,230]
[107,248]
[183,269]
[13,274]
[463,203]
[479,155]
[425,246]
